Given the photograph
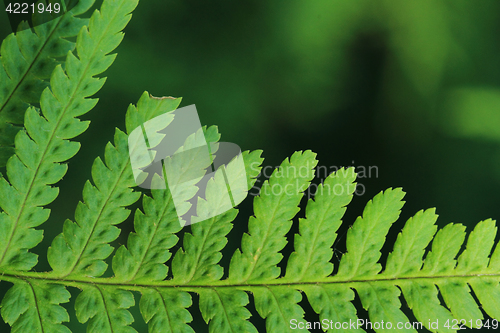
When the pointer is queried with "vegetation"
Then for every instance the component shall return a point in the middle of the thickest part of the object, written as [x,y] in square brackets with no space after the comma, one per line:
[47,84]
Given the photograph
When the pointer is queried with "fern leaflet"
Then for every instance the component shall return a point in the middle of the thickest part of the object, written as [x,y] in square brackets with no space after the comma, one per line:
[44,145]
[82,246]
[28,59]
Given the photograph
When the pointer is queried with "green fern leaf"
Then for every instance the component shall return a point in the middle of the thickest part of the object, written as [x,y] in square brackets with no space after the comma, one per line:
[225,310]
[459,300]
[165,310]
[445,247]
[367,235]
[164,304]
[44,144]
[260,246]
[33,306]
[278,305]
[382,302]
[198,260]
[317,232]
[83,245]
[488,293]
[411,243]
[148,248]
[475,258]
[422,298]
[333,304]
[27,61]
[105,308]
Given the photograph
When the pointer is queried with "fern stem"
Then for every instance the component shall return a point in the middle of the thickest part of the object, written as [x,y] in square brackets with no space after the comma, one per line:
[137,286]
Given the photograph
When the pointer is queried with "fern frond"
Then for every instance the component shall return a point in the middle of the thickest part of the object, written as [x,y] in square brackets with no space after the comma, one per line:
[164,310]
[273,214]
[438,286]
[317,232]
[366,238]
[445,247]
[225,310]
[279,306]
[421,279]
[82,247]
[475,258]
[441,284]
[105,308]
[148,248]
[198,259]
[381,300]
[411,243]
[26,63]
[333,304]
[33,306]
[487,291]
[45,143]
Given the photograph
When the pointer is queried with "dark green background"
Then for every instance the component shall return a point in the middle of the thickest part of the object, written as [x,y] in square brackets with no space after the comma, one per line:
[411,87]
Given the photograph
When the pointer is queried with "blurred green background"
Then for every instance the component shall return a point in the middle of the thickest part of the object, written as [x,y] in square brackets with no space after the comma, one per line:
[410,87]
